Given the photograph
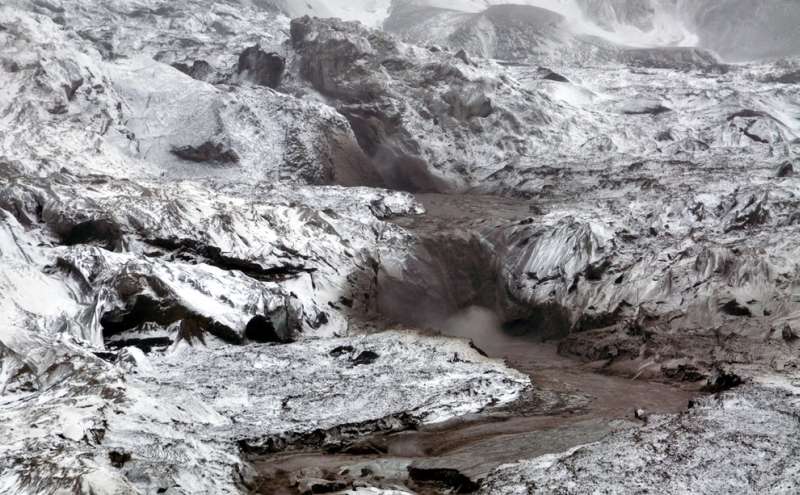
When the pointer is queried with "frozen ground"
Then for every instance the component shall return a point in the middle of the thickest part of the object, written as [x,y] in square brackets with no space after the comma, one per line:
[206,206]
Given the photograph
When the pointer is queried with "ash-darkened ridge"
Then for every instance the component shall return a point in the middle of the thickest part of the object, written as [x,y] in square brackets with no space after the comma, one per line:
[387,247]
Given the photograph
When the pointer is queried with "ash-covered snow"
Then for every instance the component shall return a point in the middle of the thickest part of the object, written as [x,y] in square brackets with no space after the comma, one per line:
[172,198]
[110,234]
[743,441]
[737,30]
[175,420]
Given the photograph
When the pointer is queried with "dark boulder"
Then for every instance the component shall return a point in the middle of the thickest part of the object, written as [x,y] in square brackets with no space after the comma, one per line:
[97,231]
[549,75]
[788,333]
[260,67]
[118,459]
[206,152]
[665,136]
[278,326]
[786,169]
[451,480]
[341,350]
[655,109]
[366,357]
[200,70]
[722,380]
[261,330]
[462,55]
[313,486]
[734,308]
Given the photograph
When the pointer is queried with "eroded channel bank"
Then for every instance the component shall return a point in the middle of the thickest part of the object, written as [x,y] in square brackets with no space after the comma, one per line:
[570,403]
[457,290]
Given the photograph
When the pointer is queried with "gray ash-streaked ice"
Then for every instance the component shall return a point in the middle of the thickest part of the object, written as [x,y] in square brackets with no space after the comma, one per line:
[207,206]
[736,30]
[743,442]
[143,206]
[177,423]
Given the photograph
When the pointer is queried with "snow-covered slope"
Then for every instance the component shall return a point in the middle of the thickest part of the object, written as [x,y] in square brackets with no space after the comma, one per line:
[540,33]
[142,208]
[708,449]
[371,13]
[626,22]
[742,30]
[736,30]
[192,240]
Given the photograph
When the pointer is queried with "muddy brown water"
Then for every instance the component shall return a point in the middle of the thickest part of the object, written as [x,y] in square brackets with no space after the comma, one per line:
[570,402]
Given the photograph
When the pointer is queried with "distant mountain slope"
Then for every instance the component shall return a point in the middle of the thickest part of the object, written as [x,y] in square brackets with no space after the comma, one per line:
[525,33]
[369,12]
[737,30]
[745,29]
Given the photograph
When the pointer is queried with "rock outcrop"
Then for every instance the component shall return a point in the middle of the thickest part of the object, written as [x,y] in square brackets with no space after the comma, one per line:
[261,67]
[193,243]
[158,227]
